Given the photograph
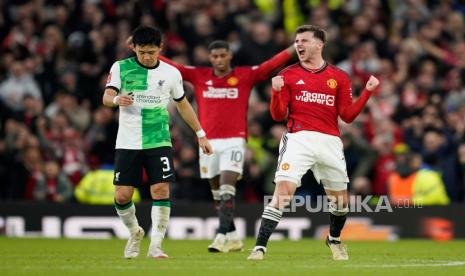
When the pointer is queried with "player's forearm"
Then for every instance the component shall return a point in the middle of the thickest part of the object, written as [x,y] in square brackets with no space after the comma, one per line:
[352,111]
[278,108]
[291,51]
[274,63]
[188,115]
[108,98]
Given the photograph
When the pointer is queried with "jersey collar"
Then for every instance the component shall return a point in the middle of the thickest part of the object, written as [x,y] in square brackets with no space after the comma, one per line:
[224,76]
[315,71]
[147,67]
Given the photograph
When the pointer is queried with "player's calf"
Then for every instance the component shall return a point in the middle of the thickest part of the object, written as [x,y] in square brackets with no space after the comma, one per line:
[337,219]
[226,215]
[161,209]
[270,219]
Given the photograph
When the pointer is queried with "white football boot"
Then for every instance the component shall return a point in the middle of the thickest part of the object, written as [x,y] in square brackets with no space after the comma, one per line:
[218,244]
[156,252]
[257,254]
[233,243]
[132,248]
[338,249]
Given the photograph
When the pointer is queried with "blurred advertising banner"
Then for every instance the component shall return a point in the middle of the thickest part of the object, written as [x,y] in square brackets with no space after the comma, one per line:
[198,221]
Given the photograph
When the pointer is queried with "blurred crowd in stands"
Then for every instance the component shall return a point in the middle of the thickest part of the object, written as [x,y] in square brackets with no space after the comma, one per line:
[55,56]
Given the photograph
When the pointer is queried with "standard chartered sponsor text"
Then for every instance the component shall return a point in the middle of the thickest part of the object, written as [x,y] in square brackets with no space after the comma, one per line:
[151,99]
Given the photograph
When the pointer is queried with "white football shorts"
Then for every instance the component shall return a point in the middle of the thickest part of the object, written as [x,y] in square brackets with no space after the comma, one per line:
[228,155]
[319,152]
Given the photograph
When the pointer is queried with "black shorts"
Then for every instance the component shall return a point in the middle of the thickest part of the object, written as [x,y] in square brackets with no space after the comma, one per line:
[157,162]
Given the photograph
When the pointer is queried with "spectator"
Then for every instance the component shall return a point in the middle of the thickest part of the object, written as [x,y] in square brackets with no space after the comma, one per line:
[54,186]
[415,183]
[18,84]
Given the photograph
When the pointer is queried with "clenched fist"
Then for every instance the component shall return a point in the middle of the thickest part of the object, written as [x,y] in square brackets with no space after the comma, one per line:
[372,83]
[277,83]
[205,145]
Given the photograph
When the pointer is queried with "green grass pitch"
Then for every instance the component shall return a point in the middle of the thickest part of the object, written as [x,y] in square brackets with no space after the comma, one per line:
[307,257]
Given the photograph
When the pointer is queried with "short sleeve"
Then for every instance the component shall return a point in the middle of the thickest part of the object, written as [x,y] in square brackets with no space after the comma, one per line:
[177,90]
[114,79]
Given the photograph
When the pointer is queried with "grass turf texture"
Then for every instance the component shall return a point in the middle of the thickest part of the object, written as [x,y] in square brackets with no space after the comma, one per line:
[306,257]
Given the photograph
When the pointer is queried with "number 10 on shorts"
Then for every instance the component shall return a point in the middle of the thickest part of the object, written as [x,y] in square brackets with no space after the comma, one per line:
[236,156]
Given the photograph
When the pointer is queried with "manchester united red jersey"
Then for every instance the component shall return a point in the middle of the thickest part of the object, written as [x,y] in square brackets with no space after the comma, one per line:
[313,100]
[223,101]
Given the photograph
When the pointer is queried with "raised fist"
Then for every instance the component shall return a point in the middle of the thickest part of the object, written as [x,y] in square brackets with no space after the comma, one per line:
[372,83]
[277,83]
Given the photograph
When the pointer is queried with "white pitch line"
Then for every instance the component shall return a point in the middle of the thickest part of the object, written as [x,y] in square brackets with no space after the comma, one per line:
[457,263]
[259,265]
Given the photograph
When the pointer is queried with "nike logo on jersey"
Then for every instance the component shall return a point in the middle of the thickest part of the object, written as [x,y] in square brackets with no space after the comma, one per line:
[209,82]
[300,82]
[166,176]
[129,82]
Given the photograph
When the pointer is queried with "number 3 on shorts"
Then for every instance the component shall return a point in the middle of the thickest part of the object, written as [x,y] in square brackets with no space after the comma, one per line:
[166,164]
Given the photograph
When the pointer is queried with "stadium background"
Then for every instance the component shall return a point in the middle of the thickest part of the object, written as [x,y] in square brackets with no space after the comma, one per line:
[55,56]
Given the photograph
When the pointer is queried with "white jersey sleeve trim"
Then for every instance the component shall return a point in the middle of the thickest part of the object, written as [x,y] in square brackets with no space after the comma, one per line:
[114,78]
[177,90]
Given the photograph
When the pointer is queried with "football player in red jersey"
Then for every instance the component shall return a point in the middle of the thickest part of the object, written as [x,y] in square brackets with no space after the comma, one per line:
[312,94]
[222,94]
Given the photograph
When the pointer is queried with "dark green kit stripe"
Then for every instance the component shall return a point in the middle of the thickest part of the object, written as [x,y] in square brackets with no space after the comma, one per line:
[123,207]
[164,203]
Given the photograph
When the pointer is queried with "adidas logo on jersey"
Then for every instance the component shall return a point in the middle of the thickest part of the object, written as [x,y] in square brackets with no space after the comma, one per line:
[300,82]
[209,82]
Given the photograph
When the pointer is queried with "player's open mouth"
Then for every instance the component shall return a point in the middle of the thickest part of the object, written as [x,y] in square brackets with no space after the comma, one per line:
[301,52]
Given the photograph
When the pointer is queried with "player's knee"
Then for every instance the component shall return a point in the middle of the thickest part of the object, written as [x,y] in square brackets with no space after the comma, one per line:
[338,208]
[283,194]
[160,191]
[285,188]
[280,201]
[122,198]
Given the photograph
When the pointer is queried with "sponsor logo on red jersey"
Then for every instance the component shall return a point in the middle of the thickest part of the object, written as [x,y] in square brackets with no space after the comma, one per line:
[221,93]
[319,98]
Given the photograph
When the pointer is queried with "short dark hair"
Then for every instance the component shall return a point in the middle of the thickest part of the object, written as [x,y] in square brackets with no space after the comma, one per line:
[218,44]
[146,35]
[317,31]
